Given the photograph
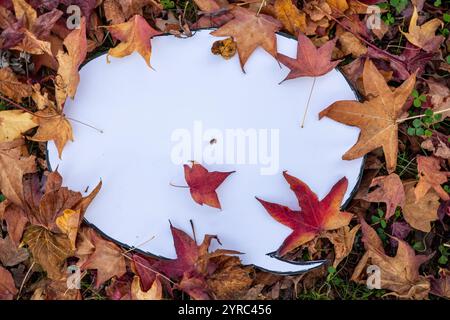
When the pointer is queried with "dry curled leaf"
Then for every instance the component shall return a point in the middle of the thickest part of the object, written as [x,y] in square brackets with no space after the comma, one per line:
[350,44]
[68,78]
[68,223]
[440,97]
[154,293]
[55,290]
[390,191]
[192,265]
[7,287]
[400,273]
[107,259]
[24,12]
[424,36]
[290,16]
[441,286]
[225,48]
[32,45]
[342,240]
[338,5]
[420,213]
[53,126]
[11,87]
[10,254]
[430,176]
[41,100]
[13,166]
[230,279]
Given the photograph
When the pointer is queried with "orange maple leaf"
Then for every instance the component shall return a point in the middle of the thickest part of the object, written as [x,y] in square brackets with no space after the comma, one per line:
[250,30]
[314,217]
[378,118]
[135,35]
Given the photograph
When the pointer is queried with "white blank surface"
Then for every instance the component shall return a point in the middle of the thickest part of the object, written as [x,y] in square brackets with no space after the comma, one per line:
[138,108]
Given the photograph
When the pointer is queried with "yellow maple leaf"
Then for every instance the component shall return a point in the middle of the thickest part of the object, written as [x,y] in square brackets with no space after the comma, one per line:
[13,123]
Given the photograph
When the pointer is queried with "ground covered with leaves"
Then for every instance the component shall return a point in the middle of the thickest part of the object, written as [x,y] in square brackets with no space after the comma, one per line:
[397,221]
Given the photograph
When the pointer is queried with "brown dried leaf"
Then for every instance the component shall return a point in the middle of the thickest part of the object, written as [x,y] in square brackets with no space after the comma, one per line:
[32,45]
[53,126]
[250,31]
[7,287]
[13,166]
[10,254]
[419,213]
[440,97]
[350,44]
[11,87]
[441,286]
[24,12]
[424,36]
[377,117]
[290,16]
[50,250]
[400,273]
[68,77]
[107,259]
[438,147]
[230,280]
[13,123]
[390,191]
[342,240]
[430,176]
[16,221]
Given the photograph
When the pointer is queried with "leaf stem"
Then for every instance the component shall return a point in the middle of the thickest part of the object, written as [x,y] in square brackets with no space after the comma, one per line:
[420,116]
[140,245]
[263,3]
[25,279]
[307,104]
[85,124]
[177,186]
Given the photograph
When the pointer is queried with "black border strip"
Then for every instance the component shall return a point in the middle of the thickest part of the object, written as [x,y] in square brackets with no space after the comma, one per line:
[272,254]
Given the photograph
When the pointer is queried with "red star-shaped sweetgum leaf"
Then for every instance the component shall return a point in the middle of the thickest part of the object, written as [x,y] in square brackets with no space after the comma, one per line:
[251,30]
[310,61]
[314,217]
[192,265]
[203,184]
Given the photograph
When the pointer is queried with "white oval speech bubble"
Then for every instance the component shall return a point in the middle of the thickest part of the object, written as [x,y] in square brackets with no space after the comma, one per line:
[197,106]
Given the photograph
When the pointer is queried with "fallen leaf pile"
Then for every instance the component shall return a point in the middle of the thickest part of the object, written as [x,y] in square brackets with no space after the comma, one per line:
[398,220]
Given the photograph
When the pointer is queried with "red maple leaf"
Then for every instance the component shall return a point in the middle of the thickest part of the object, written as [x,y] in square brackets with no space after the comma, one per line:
[310,61]
[192,265]
[203,184]
[314,217]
